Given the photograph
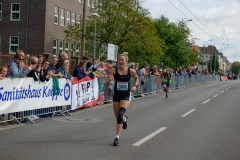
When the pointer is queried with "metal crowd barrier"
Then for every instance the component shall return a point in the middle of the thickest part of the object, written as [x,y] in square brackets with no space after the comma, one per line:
[152,85]
[147,85]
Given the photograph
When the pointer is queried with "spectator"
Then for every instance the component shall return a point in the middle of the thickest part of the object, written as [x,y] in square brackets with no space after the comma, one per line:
[184,73]
[160,67]
[153,71]
[52,67]
[144,71]
[132,65]
[15,70]
[176,72]
[101,67]
[79,71]
[63,58]
[40,61]
[144,65]
[136,68]
[85,60]
[45,75]
[109,67]
[94,64]
[34,73]
[3,72]
[89,69]
[63,71]
[104,59]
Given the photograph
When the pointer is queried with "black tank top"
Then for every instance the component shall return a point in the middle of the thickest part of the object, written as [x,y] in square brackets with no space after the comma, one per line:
[122,82]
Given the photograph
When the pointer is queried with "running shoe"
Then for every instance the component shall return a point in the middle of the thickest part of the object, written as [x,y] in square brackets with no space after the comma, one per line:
[166,96]
[125,123]
[116,142]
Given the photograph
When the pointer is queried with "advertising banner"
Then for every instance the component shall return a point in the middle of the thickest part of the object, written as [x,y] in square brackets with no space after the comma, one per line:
[22,94]
[84,92]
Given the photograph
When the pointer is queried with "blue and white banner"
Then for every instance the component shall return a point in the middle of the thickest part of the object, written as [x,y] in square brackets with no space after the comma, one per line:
[22,94]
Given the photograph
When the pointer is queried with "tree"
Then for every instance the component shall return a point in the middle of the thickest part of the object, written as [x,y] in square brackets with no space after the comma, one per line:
[176,37]
[235,67]
[213,63]
[119,23]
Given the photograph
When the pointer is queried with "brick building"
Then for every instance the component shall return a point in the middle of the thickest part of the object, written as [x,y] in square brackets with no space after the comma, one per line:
[37,26]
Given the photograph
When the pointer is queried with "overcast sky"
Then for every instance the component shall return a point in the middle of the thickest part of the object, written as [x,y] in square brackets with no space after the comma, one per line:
[221,17]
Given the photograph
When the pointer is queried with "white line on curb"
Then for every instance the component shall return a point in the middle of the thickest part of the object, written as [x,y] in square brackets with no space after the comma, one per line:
[216,95]
[188,113]
[149,137]
[206,101]
[222,92]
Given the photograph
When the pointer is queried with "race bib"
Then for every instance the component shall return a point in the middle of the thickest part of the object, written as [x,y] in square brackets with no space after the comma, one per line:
[122,86]
[165,81]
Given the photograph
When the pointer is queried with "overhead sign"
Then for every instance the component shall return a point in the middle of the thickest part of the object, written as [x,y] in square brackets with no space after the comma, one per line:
[112,52]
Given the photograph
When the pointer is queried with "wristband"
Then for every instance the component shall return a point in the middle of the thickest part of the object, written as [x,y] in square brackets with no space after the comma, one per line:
[135,85]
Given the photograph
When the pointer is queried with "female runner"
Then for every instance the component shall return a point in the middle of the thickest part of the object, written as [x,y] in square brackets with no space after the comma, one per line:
[122,92]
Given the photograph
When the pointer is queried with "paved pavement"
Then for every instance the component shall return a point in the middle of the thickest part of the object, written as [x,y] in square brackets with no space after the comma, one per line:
[201,122]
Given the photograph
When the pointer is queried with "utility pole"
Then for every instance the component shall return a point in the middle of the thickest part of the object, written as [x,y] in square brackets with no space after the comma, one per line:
[83,29]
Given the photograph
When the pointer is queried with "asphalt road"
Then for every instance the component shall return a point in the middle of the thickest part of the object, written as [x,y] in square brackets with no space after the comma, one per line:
[197,123]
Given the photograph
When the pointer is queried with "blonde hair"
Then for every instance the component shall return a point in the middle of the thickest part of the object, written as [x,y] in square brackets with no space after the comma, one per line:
[125,54]
[102,63]
[132,64]
[65,63]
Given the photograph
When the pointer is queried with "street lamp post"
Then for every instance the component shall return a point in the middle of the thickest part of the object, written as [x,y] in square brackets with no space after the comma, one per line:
[96,15]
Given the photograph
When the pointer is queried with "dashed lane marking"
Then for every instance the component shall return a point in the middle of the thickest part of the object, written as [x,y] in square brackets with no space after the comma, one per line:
[189,112]
[221,91]
[216,95]
[149,137]
[206,101]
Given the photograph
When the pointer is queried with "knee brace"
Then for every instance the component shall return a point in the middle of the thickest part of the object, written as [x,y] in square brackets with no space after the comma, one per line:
[120,115]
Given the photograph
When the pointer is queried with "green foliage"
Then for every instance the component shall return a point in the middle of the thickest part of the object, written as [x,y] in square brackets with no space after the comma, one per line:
[213,63]
[235,67]
[176,37]
[133,30]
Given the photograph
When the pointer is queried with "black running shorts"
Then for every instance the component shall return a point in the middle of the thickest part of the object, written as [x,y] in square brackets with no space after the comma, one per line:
[165,83]
[117,97]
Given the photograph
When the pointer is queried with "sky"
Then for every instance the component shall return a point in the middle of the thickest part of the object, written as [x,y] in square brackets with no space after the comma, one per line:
[216,20]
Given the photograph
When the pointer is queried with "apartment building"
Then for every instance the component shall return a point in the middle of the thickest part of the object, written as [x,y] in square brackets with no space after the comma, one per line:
[37,26]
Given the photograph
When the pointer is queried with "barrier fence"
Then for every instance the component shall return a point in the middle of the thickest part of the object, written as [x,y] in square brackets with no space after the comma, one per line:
[23,99]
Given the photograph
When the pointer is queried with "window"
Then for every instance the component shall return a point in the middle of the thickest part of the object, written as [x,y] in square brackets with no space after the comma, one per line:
[66,47]
[62,17]
[61,47]
[14,44]
[68,18]
[72,49]
[79,20]
[73,19]
[56,15]
[0,11]
[89,3]
[92,4]
[77,50]
[15,12]
[55,47]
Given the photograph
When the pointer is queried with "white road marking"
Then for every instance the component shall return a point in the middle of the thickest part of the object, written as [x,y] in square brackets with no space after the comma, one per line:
[188,113]
[149,137]
[206,101]
[216,95]
[222,92]
[226,89]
